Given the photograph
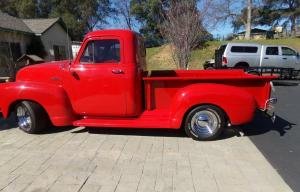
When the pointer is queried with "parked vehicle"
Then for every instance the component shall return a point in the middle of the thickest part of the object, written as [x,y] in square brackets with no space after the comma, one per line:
[245,55]
[106,85]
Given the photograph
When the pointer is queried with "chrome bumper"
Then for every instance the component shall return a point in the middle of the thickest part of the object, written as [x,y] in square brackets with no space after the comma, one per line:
[269,109]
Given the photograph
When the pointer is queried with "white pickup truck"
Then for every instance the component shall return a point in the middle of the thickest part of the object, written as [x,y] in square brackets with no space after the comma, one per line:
[244,55]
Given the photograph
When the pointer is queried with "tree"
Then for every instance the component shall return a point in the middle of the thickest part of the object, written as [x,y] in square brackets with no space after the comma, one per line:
[26,8]
[148,14]
[276,11]
[124,13]
[182,28]
[248,20]
[239,13]
[23,9]
[8,6]
[44,8]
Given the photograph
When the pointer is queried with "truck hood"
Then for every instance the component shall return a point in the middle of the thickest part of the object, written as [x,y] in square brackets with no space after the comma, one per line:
[42,72]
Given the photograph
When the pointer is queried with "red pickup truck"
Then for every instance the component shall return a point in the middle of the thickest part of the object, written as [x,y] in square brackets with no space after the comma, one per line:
[107,85]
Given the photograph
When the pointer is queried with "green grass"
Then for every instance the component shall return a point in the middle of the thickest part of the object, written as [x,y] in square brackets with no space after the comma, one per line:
[159,58]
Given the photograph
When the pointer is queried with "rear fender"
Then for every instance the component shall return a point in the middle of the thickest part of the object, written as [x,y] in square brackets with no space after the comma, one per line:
[238,104]
[51,97]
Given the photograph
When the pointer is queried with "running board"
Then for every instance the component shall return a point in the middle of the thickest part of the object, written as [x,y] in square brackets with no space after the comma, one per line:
[146,120]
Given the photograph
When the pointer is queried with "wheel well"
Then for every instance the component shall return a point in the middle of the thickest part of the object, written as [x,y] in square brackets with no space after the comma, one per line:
[15,103]
[241,64]
[194,106]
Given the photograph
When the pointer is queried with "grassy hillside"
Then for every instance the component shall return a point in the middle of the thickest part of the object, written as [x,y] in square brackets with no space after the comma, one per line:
[159,58]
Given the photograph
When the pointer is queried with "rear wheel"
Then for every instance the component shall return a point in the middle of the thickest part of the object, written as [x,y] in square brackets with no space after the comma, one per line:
[31,117]
[243,66]
[205,122]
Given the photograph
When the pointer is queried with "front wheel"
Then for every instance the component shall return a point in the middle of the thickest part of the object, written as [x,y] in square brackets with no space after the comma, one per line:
[31,117]
[205,122]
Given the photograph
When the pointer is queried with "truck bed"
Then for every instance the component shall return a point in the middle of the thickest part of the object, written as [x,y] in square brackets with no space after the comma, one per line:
[161,86]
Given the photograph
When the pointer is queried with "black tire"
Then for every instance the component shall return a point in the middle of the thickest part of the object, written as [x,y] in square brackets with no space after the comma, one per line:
[214,117]
[210,68]
[31,117]
[243,66]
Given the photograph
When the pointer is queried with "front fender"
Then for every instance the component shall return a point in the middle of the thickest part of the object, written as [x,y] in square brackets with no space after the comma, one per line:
[238,104]
[52,98]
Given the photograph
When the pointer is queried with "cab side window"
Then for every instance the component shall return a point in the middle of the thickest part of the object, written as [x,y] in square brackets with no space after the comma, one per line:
[288,52]
[272,51]
[102,51]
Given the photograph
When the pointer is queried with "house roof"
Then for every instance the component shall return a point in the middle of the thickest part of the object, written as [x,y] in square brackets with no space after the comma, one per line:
[39,26]
[34,58]
[11,23]
[254,31]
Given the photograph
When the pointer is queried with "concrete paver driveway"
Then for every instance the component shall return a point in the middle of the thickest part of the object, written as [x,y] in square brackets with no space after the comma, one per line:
[120,160]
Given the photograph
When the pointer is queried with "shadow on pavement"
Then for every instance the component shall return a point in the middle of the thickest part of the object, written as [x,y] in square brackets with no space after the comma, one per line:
[137,132]
[228,133]
[52,130]
[8,123]
[262,124]
[285,83]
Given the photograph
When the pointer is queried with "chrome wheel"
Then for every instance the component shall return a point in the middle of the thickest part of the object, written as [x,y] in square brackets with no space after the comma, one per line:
[24,118]
[205,123]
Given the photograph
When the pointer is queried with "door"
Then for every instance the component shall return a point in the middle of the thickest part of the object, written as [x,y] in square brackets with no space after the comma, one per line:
[98,79]
[289,57]
[271,57]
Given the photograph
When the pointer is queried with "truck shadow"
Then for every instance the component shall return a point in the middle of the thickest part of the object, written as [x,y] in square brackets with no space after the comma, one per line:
[262,124]
[9,123]
[138,132]
[285,83]
[228,133]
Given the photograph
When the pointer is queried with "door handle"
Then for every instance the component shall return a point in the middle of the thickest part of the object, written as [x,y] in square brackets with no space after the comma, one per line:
[75,75]
[284,58]
[117,71]
[266,58]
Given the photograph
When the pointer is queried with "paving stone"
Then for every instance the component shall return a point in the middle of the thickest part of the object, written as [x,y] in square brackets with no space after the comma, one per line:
[75,160]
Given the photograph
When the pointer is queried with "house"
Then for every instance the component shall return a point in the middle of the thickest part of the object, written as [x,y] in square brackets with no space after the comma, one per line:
[256,33]
[54,37]
[17,37]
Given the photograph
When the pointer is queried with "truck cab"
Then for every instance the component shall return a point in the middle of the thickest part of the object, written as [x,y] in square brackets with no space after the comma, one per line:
[279,56]
[108,68]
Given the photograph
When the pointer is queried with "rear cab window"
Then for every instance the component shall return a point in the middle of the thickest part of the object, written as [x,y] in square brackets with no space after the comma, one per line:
[244,49]
[101,51]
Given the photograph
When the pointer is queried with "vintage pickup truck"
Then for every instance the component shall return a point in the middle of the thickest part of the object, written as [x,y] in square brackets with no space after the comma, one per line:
[107,86]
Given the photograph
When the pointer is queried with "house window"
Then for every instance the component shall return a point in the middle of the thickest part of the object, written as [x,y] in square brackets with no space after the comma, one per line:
[11,50]
[59,52]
